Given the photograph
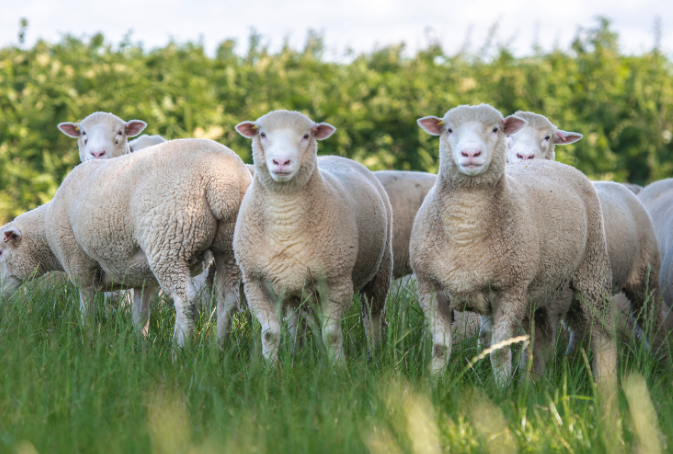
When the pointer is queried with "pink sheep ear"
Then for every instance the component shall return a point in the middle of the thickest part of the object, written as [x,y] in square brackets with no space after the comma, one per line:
[564,138]
[12,234]
[432,125]
[247,129]
[513,124]
[134,127]
[69,129]
[323,130]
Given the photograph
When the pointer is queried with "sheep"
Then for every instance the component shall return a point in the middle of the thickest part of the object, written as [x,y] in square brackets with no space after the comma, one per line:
[145,141]
[635,188]
[631,241]
[507,242]
[141,221]
[658,200]
[102,135]
[310,224]
[406,191]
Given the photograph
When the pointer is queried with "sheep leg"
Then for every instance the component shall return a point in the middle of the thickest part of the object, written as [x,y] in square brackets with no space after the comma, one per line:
[264,310]
[142,296]
[647,311]
[334,306]
[228,284]
[508,313]
[439,316]
[87,306]
[374,296]
[296,325]
[485,330]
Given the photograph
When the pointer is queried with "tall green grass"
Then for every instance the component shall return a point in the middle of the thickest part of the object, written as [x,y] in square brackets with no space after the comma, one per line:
[65,390]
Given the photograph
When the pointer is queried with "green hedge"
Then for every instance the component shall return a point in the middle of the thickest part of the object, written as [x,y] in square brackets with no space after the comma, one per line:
[621,103]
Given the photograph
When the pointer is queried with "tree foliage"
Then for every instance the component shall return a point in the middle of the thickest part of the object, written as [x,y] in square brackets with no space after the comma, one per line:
[621,103]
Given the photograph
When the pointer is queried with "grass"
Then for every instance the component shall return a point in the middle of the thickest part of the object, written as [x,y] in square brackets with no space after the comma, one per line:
[64,390]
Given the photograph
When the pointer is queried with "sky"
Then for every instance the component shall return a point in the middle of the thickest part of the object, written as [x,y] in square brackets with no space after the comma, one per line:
[361,25]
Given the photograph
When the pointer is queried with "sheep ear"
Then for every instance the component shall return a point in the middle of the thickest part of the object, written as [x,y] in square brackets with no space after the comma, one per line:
[134,127]
[323,130]
[432,125]
[247,129]
[513,124]
[12,234]
[69,129]
[564,138]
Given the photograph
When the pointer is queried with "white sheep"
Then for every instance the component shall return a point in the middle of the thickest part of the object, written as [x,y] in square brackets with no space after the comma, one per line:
[508,242]
[658,200]
[139,221]
[145,141]
[311,224]
[406,191]
[631,241]
[102,135]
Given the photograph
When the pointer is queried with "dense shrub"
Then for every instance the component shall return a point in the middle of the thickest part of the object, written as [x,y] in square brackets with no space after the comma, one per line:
[621,103]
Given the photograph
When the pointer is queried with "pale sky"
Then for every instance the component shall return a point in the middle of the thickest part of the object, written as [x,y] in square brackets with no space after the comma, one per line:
[359,24]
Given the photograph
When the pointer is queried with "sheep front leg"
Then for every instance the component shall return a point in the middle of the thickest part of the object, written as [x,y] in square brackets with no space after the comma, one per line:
[334,306]
[510,310]
[435,305]
[228,284]
[87,306]
[142,296]
[264,310]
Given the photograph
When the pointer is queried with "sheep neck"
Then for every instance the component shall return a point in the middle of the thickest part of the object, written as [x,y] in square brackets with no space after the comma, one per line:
[291,212]
[469,212]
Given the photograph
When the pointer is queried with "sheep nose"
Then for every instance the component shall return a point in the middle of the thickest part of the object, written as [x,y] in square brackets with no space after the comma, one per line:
[470,153]
[281,162]
[524,157]
[97,154]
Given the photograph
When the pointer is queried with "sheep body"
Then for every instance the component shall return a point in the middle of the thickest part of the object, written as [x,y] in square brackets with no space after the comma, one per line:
[147,220]
[508,242]
[145,141]
[327,228]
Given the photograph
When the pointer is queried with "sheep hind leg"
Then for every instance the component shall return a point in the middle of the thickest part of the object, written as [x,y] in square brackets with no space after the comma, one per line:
[296,324]
[649,318]
[142,296]
[227,286]
[373,297]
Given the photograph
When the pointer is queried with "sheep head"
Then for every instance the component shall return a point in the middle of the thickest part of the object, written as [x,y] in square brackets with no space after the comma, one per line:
[102,135]
[537,139]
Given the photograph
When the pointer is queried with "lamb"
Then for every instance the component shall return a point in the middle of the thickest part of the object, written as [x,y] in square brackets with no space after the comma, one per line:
[631,241]
[145,141]
[139,221]
[307,225]
[508,241]
[102,135]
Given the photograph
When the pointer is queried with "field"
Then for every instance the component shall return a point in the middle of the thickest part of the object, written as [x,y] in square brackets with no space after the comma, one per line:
[110,390]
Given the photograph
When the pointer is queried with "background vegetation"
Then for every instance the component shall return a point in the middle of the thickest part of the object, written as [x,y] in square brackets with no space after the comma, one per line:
[623,104]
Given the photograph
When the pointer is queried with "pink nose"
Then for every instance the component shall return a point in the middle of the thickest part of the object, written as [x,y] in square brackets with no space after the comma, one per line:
[281,162]
[97,154]
[524,157]
[471,153]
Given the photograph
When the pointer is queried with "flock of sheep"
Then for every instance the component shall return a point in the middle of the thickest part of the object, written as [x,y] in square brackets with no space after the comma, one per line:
[503,231]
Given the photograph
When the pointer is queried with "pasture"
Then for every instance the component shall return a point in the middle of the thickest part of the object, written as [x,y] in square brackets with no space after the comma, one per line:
[111,390]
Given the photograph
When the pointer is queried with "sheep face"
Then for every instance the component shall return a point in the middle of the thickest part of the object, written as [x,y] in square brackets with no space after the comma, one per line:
[472,139]
[10,253]
[102,135]
[537,139]
[284,144]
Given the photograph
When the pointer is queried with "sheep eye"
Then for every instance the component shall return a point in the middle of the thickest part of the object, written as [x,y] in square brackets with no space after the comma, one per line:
[305,136]
[262,134]
[450,130]
[83,133]
[495,129]
[120,133]
[547,137]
